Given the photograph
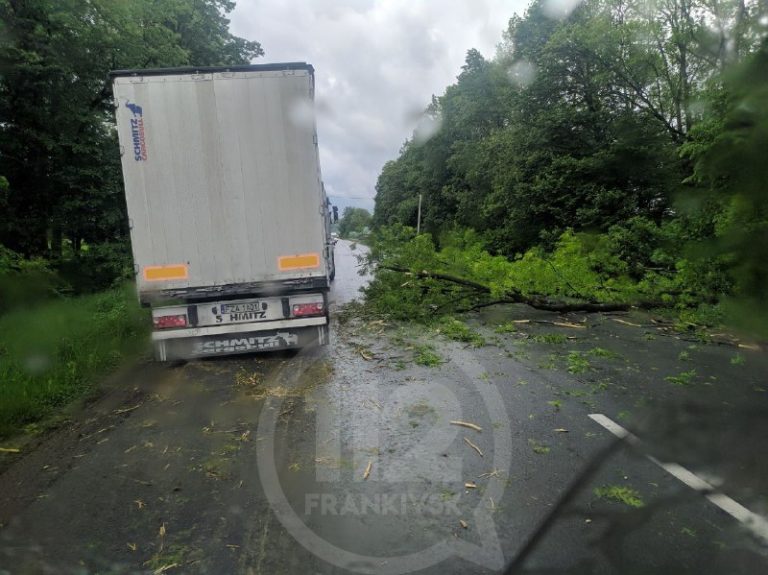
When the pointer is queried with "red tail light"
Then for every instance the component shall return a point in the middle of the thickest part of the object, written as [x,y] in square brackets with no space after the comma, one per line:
[306,309]
[167,321]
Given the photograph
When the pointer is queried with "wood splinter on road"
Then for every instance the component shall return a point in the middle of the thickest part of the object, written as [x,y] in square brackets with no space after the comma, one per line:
[9,450]
[368,470]
[127,409]
[473,446]
[569,324]
[468,425]
[463,523]
[470,485]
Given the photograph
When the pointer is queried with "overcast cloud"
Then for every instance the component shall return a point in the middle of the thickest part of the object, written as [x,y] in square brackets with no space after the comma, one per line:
[377,64]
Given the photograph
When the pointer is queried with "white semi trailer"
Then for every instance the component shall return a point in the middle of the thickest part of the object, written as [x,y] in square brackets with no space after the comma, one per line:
[230,225]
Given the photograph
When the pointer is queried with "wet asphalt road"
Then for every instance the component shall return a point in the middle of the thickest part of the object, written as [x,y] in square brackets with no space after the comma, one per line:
[344,459]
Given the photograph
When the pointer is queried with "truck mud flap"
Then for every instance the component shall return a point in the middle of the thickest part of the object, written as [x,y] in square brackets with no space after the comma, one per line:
[238,343]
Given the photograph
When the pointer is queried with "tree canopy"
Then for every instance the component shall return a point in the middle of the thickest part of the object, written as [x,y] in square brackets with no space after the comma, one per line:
[634,121]
[354,221]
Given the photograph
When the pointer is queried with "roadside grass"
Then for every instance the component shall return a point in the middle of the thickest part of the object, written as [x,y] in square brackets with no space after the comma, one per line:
[56,351]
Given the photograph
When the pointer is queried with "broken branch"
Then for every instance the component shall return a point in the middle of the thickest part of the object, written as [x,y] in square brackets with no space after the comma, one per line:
[473,446]
[467,424]
[534,301]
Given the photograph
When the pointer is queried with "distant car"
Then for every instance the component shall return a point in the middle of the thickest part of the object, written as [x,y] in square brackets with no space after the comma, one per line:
[334,238]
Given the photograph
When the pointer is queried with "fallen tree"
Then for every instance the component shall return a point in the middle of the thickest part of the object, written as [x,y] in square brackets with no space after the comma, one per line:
[414,279]
[483,291]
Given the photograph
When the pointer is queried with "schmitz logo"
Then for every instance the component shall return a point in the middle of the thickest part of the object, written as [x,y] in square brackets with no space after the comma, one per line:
[137,132]
[277,341]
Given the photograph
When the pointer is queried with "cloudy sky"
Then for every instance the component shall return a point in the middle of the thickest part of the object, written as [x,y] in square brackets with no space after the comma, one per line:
[377,64]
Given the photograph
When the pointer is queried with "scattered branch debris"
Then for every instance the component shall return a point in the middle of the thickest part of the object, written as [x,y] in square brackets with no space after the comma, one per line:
[127,409]
[368,470]
[365,356]
[468,425]
[569,324]
[473,446]
[625,322]
[493,473]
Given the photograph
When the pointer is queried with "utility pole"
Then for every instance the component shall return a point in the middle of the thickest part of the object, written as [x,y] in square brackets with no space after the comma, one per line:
[418,218]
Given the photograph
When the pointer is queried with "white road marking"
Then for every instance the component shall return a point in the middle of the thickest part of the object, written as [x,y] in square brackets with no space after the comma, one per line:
[755,523]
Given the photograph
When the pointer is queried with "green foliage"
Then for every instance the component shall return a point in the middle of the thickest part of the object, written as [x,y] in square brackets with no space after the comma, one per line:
[354,222]
[25,282]
[581,266]
[425,354]
[457,330]
[738,359]
[52,353]
[620,494]
[98,267]
[730,174]
[393,295]
[684,378]
[537,447]
[614,155]
[508,327]
[577,362]
[604,353]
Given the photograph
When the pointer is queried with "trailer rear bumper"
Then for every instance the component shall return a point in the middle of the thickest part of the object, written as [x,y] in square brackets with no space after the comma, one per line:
[237,339]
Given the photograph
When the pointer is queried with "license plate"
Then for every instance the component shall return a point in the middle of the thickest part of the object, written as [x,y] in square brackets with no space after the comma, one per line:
[243,307]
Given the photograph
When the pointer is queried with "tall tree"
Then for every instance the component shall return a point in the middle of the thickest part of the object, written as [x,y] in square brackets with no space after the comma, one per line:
[354,220]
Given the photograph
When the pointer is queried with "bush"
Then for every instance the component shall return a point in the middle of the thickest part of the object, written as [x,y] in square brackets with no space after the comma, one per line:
[98,267]
[24,282]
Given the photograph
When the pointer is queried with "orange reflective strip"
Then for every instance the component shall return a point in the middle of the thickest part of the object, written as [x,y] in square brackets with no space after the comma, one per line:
[298,262]
[159,273]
